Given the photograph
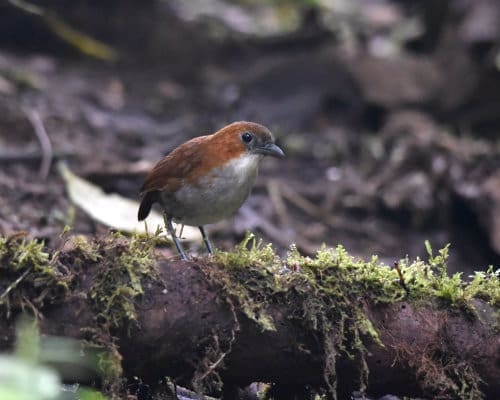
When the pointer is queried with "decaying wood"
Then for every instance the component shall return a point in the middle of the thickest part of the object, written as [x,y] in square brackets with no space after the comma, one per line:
[187,329]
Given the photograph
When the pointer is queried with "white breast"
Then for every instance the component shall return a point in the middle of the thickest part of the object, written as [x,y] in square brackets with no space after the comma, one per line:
[220,194]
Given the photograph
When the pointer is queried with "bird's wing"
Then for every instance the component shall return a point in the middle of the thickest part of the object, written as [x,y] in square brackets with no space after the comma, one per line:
[173,169]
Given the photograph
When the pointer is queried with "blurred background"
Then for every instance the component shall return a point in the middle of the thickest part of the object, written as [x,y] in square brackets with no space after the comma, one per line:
[388,111]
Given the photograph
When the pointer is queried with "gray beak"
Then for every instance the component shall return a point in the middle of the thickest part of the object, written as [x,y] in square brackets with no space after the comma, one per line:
[270,149]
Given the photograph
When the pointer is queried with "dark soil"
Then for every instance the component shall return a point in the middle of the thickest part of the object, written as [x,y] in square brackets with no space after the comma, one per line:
[382,153]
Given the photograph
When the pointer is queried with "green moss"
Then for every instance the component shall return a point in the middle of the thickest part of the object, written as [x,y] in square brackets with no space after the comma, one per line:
[327,293]
[249,252]
[264,265]
[333,288]
[124,266]
[84,249]
[109,359]
[485,286]
[30,276]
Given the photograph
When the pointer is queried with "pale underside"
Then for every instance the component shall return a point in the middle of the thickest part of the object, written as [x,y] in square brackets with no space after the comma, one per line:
[217,196]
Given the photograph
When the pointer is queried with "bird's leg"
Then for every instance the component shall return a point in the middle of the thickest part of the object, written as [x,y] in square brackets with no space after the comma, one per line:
[205,240]
[170,228]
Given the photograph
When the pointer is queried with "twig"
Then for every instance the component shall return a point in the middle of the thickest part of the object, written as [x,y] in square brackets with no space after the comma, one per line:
[44,140]
[401,278]
[216,363]
[27,7]
[325,216]
[31,156]
[14,284]
[307,206]
[37,314]
[274,190]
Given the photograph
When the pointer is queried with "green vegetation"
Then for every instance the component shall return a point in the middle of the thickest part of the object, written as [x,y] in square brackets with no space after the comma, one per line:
[326,294]
[35,277]
[485,286]
[125,264]
[23,375]
[246,288]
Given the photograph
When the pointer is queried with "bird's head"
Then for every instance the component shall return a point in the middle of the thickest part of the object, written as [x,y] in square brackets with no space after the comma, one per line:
[245,138]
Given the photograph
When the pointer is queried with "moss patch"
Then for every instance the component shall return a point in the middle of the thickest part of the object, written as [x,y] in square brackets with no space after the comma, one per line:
[117,268]
[254,266]
[29,276]
[121,268]
[485,286]
[125,264]
[325,294]
[328,293]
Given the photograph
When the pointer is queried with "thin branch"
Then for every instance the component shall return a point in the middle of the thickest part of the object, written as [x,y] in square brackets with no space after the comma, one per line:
[45,144]
[14,284]
[223,355]
[401,278]
[32,156]
[275,194]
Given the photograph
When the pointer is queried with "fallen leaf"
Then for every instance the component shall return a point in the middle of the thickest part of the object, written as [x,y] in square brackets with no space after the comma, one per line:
[112,209]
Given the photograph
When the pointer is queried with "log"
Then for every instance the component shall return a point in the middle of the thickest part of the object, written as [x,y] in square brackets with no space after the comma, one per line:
[334,324]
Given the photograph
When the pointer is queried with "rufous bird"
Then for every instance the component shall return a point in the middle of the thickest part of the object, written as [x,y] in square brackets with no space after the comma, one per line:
[207,178]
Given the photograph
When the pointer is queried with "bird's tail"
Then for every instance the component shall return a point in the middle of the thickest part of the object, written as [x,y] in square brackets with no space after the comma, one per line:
[146,204]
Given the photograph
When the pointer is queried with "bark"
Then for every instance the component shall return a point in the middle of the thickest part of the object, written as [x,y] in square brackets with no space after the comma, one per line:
[188,330]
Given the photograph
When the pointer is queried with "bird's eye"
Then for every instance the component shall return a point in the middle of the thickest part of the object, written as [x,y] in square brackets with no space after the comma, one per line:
[247,137]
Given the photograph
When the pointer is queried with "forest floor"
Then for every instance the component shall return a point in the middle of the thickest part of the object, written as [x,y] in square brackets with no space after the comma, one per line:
[382,153]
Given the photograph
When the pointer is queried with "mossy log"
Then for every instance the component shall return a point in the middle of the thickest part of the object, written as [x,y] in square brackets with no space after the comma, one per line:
[332,325]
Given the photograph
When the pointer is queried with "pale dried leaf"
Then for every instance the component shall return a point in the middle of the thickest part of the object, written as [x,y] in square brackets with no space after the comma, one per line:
[112,209]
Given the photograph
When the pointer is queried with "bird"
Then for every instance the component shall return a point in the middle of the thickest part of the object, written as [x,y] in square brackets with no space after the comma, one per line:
[207,178]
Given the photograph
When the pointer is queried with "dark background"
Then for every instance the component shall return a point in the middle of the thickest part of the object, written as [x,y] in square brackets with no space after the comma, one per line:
[388,111]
